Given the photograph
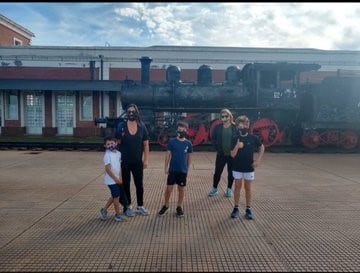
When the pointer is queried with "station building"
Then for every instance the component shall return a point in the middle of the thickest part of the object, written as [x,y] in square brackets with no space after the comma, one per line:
[60,90]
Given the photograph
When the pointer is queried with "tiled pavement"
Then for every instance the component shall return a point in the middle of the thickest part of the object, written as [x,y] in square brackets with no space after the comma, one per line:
[306,207]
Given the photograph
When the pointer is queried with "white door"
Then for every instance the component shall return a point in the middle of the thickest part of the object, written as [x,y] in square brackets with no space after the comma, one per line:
[65,105]
[33,112]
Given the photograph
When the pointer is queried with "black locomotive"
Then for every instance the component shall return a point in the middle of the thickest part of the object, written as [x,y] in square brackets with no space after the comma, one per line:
[281,109]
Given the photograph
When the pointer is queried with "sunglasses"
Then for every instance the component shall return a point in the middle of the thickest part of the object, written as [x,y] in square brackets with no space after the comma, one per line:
[131,111]
[225,116]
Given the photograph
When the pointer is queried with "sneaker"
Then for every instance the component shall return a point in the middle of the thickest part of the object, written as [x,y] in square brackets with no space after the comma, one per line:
[179,212]
[119,218]
[129,212]
[213,192]
[142,211]
[229,193]
[103,214]
[235,213]
[163,211]
[248,214]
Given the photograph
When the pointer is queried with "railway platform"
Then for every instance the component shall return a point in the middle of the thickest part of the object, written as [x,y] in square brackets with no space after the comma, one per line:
[306,208]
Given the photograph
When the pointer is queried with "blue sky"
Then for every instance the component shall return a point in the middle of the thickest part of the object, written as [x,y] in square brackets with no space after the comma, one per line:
[141,24]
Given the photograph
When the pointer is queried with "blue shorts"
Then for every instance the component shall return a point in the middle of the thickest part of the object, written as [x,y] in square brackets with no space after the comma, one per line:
[176,178]
[115,190]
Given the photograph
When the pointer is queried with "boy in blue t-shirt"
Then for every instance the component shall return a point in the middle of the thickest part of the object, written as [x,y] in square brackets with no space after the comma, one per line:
[177,163]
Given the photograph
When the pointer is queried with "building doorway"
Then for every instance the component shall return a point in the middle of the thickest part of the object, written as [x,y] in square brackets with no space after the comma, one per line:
[65,109]
[33,112]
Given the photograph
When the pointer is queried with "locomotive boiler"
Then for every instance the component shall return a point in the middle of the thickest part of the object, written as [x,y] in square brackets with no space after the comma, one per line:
[282,110]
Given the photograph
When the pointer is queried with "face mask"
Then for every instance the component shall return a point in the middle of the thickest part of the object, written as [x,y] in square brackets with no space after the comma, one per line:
[181,134]
[244,131]
[112,147]
[132,116]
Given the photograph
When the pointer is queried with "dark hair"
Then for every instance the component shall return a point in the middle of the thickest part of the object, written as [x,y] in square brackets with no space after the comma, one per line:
[182,124]
[132,105]
[109,138]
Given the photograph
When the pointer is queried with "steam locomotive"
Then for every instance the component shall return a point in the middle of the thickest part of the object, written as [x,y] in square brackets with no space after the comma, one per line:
[282,110]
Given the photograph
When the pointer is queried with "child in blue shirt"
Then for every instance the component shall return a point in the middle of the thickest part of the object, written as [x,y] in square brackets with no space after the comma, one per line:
[177,163]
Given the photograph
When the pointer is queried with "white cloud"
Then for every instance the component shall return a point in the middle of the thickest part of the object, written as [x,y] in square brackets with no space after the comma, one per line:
[292,25]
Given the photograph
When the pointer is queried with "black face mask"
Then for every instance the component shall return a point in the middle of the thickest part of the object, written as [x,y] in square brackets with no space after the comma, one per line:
[181,134]
[244,131]
[132,116]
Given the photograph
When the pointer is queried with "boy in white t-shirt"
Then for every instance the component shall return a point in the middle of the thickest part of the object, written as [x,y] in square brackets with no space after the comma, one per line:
[112,178]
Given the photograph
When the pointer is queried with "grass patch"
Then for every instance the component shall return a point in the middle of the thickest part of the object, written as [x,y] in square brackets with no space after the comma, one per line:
[60,139]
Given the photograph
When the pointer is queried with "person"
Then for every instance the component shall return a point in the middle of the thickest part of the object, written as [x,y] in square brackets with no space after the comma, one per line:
[177,163]
[221,140]
[243,148]
[133,142]
[112,178]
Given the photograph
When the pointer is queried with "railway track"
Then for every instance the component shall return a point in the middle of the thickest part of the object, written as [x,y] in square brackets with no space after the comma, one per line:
[69,146]
[73,146]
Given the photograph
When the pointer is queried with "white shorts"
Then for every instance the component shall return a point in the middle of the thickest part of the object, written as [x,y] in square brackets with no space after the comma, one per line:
[247,176]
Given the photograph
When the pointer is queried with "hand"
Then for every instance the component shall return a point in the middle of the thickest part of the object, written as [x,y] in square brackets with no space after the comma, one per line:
[118,181]
[240,144]
[255,164]
[145,164]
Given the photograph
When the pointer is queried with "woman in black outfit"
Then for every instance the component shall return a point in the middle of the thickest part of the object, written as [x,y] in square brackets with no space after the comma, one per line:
[133,140]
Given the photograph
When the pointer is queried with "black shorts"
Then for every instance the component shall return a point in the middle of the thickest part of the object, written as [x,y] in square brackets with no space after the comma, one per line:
[176,178]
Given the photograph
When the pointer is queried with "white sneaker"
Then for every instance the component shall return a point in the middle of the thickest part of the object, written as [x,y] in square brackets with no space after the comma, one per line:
[103,214]
[119,218]
[129,212]
[142,211]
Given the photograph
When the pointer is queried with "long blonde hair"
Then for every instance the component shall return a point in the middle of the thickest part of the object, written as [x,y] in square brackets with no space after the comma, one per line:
[227,111]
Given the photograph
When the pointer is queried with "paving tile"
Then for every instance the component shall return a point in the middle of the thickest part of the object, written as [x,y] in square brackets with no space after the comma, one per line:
[306,207]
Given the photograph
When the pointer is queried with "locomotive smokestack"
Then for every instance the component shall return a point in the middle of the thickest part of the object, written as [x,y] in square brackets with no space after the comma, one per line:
[145,69]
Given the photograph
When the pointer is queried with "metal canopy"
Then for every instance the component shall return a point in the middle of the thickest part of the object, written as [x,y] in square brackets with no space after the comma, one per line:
[59,85]
[300,67]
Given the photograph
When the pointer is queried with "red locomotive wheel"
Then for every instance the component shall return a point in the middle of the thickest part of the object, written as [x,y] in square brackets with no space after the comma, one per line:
[267,130]
[311,139]
[163,138]
[214,123]
[349,140]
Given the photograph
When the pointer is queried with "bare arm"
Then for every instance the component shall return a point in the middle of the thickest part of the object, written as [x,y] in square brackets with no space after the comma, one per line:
[167,160]
[239,145]
[260,156]
[189,160]
[146,153]
[111,174]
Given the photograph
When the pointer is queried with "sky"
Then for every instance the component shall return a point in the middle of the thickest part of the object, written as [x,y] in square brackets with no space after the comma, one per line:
[329,26]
